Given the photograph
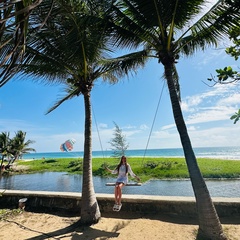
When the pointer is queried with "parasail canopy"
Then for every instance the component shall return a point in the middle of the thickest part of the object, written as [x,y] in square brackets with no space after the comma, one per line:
[67,146]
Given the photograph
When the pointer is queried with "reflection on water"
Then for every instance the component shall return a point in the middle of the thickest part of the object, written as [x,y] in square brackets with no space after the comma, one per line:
[62,182]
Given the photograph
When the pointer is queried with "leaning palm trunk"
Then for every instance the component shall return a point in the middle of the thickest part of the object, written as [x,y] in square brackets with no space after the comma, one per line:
[209,223]
[90,212]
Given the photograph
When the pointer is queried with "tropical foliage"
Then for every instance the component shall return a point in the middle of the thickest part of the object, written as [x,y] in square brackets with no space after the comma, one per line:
[14,22]
[235,116]
[20,146]
[13,148]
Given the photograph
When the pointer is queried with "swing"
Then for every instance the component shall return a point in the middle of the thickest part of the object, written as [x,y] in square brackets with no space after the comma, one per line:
[128,184]
[134,183]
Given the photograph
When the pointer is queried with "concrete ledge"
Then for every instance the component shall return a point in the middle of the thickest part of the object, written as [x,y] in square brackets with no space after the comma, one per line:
[43,201]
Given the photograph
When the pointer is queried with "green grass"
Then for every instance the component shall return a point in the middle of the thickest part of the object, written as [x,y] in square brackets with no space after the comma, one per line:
[148,168]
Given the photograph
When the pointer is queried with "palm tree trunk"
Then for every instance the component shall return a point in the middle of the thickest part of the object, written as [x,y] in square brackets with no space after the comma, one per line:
[209,223]
[90,212]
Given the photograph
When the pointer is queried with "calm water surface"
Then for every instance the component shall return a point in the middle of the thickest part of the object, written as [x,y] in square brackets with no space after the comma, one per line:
[62,182]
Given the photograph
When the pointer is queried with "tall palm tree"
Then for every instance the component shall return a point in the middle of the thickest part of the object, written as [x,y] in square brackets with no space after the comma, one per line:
[72,48]
[19,146]
[14,21]
[168,30]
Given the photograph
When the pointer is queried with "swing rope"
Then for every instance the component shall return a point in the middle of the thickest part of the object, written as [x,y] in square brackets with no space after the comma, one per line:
[110,184]
[98,133]
[154,119]
[144,155]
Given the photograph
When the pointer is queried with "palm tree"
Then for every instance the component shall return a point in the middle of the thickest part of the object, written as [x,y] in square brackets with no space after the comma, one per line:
[14,20]
[4,147]
[167,30]
[19,146]
[72,48]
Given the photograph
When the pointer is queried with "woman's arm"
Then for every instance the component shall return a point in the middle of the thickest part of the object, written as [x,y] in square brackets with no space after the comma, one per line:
[111,171]
[132,173]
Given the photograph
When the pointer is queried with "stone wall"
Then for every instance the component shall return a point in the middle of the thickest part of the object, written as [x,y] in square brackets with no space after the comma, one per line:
[39,201]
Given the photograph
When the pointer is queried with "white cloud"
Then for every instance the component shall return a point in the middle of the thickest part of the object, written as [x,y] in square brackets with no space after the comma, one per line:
[102,125]
[190,102]
[170,126]
[192,128]
[218,103]
[227,135]
[210,114]
[144,127]
[230,100]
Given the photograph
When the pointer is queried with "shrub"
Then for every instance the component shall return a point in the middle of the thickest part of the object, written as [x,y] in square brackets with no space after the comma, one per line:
[76,165]
[151,165]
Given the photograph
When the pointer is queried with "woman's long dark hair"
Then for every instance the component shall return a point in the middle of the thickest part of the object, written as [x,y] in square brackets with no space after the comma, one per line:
[120,163]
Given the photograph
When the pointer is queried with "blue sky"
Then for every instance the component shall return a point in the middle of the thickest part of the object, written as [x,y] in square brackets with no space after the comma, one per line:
[132,104]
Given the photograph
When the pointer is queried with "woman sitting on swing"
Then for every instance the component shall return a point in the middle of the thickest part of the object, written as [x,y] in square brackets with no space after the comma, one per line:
[122,170]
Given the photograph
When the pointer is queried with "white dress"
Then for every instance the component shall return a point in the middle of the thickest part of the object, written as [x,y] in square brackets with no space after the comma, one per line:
[122,176]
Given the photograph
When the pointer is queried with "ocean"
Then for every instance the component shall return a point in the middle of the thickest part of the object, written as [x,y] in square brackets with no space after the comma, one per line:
[229,153]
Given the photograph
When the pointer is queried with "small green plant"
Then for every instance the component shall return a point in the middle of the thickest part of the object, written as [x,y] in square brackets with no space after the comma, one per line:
[49,161]
[151,165]
[166,165]
[4,213]
[76,165]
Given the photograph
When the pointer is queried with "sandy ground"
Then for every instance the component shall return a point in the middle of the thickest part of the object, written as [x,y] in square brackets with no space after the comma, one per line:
[38,226]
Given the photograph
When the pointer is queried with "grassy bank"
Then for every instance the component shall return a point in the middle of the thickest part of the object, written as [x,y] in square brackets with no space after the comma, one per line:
[148,168]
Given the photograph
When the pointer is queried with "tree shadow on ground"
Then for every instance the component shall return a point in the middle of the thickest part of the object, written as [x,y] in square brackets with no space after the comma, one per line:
[77,232]
[171,218]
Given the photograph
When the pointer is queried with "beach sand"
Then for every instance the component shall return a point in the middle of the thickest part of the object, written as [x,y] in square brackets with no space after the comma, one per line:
[38,226]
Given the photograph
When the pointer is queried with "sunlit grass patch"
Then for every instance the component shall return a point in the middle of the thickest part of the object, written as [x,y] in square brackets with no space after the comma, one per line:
[146,168]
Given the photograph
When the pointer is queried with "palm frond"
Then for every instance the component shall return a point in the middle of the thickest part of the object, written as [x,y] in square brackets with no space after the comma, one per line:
[14,19]
[210,28]
[71,93]
[118,67]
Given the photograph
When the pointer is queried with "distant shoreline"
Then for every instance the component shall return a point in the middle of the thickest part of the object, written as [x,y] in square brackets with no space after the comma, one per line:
[226,153]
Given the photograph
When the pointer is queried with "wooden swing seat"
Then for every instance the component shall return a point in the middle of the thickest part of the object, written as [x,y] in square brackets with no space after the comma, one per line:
[128,184]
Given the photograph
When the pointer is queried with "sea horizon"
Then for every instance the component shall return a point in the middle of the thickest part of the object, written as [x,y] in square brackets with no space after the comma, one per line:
[227,153]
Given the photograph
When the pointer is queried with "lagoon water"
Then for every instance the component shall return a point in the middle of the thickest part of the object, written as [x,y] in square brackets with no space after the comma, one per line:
[63,182]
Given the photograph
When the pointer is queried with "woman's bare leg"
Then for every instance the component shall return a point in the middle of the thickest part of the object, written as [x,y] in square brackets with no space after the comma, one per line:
[116,194]
[119,195]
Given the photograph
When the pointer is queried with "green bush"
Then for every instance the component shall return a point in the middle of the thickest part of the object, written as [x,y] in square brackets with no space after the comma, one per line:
[76,165]
[151,165]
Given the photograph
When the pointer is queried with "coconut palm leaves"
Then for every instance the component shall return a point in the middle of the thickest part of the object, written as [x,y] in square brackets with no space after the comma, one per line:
[14,23]
[20,146]
[13,148]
